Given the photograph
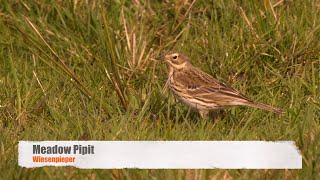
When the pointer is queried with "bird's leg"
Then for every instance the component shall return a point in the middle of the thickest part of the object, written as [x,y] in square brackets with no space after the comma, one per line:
[204,114]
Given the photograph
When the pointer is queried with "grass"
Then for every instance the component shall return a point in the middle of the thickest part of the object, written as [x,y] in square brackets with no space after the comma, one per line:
[99,82]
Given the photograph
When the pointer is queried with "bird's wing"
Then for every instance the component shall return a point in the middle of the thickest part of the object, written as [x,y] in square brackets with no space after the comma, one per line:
[204,87]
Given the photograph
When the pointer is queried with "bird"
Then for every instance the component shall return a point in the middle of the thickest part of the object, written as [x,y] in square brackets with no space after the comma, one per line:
[200,91]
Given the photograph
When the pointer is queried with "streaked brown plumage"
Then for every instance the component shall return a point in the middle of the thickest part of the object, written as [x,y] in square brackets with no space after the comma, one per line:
[201,91]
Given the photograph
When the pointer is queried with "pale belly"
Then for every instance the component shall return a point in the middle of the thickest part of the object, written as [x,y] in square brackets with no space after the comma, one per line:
[195,104]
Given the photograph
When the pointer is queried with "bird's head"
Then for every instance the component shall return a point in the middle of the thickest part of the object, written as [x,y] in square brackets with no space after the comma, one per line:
[174,59]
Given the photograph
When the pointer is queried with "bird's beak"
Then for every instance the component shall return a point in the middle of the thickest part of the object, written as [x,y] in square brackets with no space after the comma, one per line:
[160,58]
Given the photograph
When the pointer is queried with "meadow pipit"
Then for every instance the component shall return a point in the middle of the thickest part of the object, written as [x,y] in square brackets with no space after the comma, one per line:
[201,91]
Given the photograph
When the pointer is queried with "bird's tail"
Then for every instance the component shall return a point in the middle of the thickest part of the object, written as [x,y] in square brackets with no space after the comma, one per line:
[265,107]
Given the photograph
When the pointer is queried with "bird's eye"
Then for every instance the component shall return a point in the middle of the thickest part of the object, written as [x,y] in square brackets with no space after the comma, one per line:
[175,57]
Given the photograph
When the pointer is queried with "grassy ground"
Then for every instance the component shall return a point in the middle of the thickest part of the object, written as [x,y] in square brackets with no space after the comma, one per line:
[107,87]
